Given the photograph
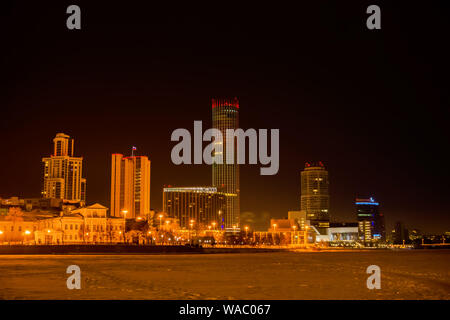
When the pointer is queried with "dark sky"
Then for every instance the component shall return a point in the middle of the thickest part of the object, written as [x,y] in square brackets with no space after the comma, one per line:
[371,104]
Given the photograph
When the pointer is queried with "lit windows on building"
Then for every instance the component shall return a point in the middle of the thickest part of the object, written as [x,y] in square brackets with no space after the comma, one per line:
[370,221]
[225,177]
[130,186]
[315,198]
[202,205]
[62,172]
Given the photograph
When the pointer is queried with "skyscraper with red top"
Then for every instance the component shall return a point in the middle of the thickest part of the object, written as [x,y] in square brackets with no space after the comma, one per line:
[225,176]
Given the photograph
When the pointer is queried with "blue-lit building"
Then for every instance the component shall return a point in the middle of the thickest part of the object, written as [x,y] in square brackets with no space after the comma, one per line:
[371,230]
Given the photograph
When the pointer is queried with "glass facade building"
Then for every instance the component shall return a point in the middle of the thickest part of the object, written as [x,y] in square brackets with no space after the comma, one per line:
[204,205]
[225,177]
[315,196]
[371,229]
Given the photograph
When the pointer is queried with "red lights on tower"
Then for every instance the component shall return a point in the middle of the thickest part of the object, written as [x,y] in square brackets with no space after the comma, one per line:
[314,164]
[225,102]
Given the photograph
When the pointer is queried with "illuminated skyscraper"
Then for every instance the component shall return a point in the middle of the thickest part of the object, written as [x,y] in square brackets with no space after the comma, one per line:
[203,205]
[63,172]
[315,197]
[225,177]
[370,221]
[130,186]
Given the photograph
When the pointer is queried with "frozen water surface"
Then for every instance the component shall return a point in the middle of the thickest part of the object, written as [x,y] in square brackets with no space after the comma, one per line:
[409,274]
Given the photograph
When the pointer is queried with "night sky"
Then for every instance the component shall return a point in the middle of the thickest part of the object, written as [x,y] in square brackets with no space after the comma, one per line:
[371,104]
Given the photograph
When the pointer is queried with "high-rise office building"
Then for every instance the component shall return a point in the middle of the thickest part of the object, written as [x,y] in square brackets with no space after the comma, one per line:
[315,197]
[371,228]
[63,172]
[204,205]
[130,186]
[225,177]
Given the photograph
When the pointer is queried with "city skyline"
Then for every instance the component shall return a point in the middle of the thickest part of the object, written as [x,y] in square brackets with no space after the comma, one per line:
[369,105]
[66,149]
[64,146]
[214,160]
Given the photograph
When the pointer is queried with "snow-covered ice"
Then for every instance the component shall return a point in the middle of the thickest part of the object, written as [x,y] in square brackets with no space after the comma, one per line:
[409,274]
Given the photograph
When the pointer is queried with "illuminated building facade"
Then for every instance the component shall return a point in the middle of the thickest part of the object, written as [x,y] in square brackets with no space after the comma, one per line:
[225,177]
[130,186]
[371,228]
[343,232]
[315,197]
[283,225]
[89,224]
[204,205]
[299,217]
[63,172]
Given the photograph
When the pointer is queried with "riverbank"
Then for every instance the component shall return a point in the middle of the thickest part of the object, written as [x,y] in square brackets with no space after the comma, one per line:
[170,249]
[125,249]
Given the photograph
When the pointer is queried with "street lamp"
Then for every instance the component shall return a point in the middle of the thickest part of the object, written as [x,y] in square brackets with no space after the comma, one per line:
[306,235]
[246,229]
[273,236]
[214,225]
[293,236]
[160,217]
[26,233]
[191,225]
[124,223]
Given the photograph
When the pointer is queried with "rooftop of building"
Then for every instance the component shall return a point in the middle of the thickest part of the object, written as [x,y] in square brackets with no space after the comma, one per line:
[225,102]
[33,215]
[191,189]
[19,218]
[343,224]
[62,135]
[314,165]
[96,206]
[366,201]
